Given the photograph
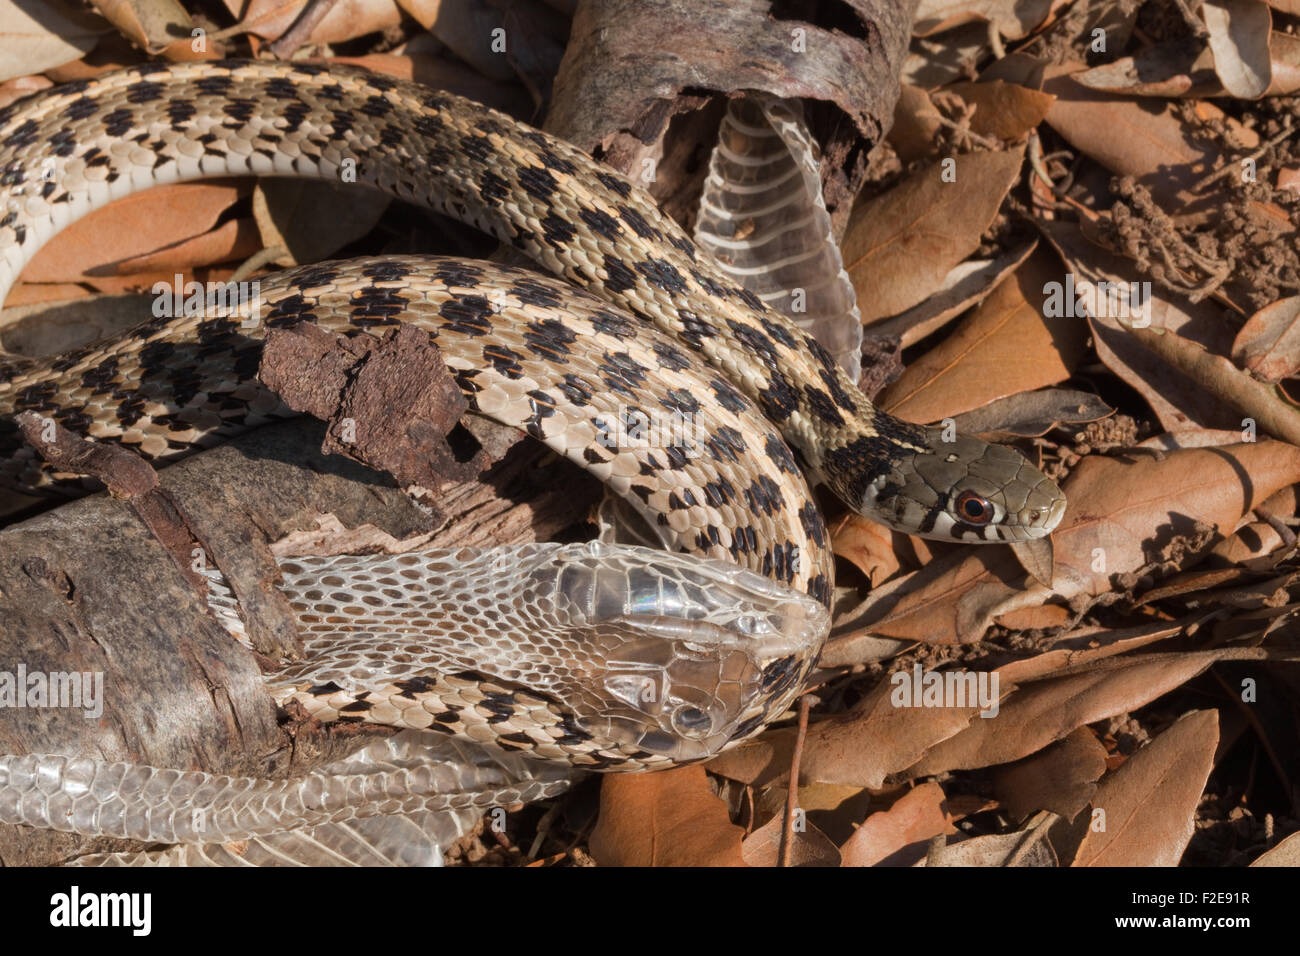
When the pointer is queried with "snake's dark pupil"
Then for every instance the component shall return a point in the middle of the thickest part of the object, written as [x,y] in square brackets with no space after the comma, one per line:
[692,718]
[974,508]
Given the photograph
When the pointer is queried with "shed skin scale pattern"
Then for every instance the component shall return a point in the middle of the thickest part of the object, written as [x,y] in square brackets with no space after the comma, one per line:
[161,123]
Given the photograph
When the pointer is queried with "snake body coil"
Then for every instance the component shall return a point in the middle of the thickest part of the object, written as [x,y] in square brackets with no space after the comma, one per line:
[660,331]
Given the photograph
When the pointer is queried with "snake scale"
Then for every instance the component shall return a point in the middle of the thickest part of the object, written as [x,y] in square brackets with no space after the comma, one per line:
[644,322]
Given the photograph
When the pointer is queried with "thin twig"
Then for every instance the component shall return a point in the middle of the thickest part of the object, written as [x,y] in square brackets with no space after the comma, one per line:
[1229,166]
[792,797]
[294,37]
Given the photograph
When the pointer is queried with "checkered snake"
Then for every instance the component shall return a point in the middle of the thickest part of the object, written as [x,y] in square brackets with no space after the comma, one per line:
[654,328]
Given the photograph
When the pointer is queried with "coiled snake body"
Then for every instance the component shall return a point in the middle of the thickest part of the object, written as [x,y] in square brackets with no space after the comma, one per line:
[659,329]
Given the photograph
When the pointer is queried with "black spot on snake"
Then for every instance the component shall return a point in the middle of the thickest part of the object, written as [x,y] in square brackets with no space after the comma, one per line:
[536,293]
[764,497]
[755,341]
[215,85]
[614,183]
[377,106]
[457,275]
[143,92]
[621,278]
[621,372]
[638,224]
[602,224]
[467,314]
[557,231]
[575,389]
[505,360]
[720,492]
[593,457]
[100,378]
[728,395]
[813,526]
[778,333]
[80,109]
[841,397]
[820,404]
[779,399]
[550,339]
[491,187]
[477,148]
[694,331]
[708,285]
[725,444]
[388,270]
[538,182]
[609,322]
[670,356]
[662,274]
[681,401]
[24,135]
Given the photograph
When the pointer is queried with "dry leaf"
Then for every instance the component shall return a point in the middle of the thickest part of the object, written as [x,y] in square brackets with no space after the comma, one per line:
[141,223]
[1062,778]
[1239,41]
[1149,804]
[1005,346]
[898,836]
[1013,18]
[1003,110]
[810,847]
[1040,713]
[313,220]
[149,24]
[900,246]
[1268,345]
[1286,853]
[670,818]
[36,35]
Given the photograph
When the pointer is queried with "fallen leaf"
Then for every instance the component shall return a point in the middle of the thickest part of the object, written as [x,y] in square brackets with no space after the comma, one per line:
[1061,778]
[40,34]
[1040,713]
[1148,806]
[670,818]
[1268,345]
[1007,345]
[809,847]
[1238,38]
[900,246]
[1003,110]
[141,223]
[898,836]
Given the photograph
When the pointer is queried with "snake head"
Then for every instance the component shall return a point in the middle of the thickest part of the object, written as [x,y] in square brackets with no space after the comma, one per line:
[692,655]
[965,489]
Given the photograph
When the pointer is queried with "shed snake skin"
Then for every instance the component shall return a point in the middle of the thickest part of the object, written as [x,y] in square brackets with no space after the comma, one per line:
[660,329]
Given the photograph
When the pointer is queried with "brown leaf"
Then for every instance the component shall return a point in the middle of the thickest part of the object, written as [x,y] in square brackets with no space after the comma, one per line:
[1062,778]
[1013,18]
[1238,38]
[1149,803]
[136,225]
[967,283]
[810,847]
[868,544]
[900,246]
[670,818]
[1005,346]
[1286,853]
[1268,345]
[1040,713]
[1143,138]
[149,24]
[1003,110]
[313,220]
[39,36]
[898,836]
[346,20]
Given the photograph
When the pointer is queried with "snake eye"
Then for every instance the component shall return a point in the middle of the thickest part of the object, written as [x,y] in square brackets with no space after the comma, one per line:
[692,722]
[974,508]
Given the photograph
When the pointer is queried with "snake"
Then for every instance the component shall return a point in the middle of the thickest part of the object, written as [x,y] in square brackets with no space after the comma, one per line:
[634,322]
